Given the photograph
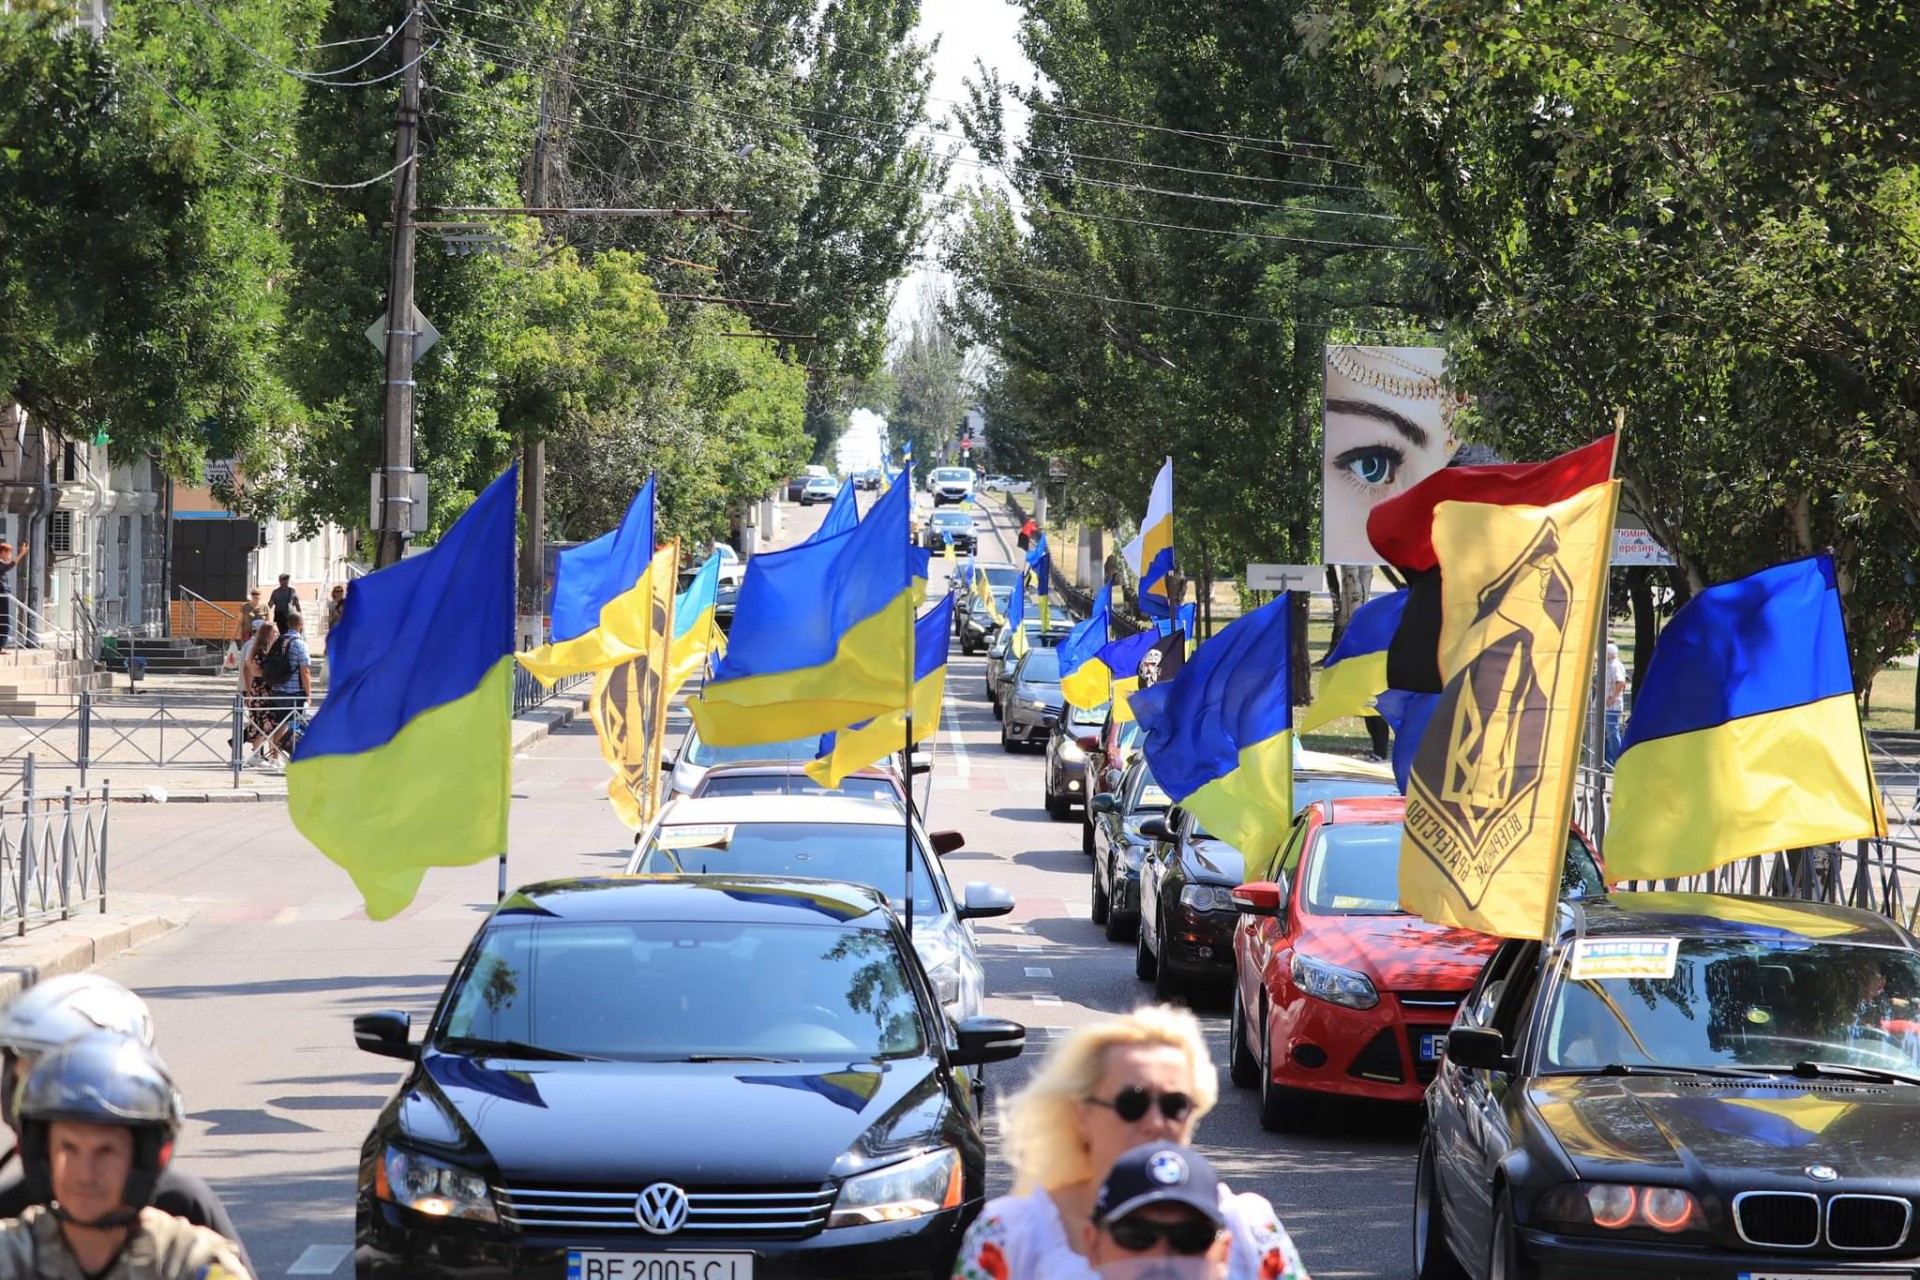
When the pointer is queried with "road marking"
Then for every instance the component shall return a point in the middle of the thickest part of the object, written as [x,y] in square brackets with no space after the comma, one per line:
[958,744]
[320,1260]
[1047,999]
[1039,971]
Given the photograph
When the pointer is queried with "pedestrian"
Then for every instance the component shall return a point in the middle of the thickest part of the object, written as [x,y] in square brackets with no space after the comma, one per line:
[98,1118]
[1158,1215]
[1616,702]
[336,604]
[11,558]
[289,668]
[39,1021]
[259,683]
[284,601]
[1027,531]
[1107,1088]
[251,612]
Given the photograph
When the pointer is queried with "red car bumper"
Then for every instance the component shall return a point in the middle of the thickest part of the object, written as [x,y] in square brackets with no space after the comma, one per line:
[1359,1053]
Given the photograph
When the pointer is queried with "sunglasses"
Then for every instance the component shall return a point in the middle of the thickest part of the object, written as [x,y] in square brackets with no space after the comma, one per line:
[1189,1239]
[1133,1102]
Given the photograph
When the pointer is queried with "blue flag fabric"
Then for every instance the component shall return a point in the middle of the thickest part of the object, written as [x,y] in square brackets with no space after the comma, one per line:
[841,516]
[588,577]
[1089,636]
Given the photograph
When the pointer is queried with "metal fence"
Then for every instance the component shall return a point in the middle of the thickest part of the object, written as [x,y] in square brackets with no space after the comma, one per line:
[53,852]
[529,692]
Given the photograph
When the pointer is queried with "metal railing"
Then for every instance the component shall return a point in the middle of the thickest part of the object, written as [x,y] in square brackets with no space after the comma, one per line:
[42,633]
[53,853]
[529,692]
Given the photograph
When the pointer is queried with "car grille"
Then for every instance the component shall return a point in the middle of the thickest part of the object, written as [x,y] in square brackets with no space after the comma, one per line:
[768,1213]
[1867,1222]
[1379,1061]
[1778,1219]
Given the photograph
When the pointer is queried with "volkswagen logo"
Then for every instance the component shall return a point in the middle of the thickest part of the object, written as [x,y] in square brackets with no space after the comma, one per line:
[1822,1172]
[661,1209]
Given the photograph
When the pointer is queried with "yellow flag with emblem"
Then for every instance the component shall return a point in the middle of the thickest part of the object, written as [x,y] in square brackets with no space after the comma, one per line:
[629,705]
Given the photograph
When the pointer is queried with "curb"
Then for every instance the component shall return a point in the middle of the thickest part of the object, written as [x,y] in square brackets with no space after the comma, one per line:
[25,961]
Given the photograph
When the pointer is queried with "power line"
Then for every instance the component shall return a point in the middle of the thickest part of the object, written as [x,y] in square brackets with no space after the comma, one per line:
[320,78]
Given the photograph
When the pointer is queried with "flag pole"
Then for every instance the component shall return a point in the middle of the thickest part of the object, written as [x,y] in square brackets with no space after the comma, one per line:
[906,750]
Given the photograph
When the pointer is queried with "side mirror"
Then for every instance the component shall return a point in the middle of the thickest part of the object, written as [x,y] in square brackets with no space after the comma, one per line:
[1088,742]
[945,842]
[1260,898]
[982,901]
[1176,818]
[1156,828]
[1106,802]
[385,1033]
[982,1040]
[1481,1048]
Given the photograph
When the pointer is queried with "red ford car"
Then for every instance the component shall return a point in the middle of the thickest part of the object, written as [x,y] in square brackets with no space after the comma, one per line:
[1339,990]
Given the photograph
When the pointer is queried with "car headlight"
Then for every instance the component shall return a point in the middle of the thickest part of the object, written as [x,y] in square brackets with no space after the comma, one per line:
[1616,1206]
[1331,983]
[942,960]
[1070,751]
[1209,897]
[1034,704]
[911,1189]
[432,1187]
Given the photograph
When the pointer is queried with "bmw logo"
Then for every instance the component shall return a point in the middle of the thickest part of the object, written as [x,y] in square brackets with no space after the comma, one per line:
[1167,1169]
[1822,1172]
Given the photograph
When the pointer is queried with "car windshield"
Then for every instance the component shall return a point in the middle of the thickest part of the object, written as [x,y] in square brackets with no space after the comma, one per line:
[795,784]
[1042,667]
[1150,798]
[1308,791]
[650,991]
[1087,717]
[1733,1002]
[1354,870]
[952,473]
[706,755]
[1000,577]
[861,853]
[953,520]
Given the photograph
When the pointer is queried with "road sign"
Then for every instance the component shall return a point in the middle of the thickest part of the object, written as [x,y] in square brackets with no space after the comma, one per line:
[1056,468]
[217,471]
[423,343]
[1286,577]
[416,501]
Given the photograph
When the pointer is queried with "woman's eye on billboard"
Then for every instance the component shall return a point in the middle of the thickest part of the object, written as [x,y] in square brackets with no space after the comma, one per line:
[1388,422]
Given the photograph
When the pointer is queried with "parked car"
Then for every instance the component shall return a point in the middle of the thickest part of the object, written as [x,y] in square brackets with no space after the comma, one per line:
[832,838]
[1187,917]
[951,484]
[1340,989]
[950,526]
[1113,749]
[819,489]
[1001,659]
[792,780]
[994,484]
[1030,701]
[1065,778]
[1683,1085]
[693,758]
[797,484]
[1120,848]
[733,570]
[703,1076]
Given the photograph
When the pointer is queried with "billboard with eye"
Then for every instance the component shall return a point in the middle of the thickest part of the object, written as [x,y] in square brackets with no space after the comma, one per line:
[1388,424]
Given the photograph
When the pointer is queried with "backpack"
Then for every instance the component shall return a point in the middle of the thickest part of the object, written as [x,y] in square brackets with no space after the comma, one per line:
[275,667]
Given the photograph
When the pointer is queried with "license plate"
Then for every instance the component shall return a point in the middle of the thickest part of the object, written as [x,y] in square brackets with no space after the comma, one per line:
[1826,1275]
[1433,1047]
[585,1265]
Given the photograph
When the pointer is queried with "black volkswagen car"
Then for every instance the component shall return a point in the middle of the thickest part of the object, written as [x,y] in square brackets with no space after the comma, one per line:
[721,1078]
[1120,847]
[1678,1084]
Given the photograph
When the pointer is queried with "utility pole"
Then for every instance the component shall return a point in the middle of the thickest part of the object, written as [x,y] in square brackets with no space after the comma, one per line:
[533,450]
[396,507]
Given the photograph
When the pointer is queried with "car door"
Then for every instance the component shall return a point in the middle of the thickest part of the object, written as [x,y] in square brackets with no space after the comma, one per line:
[1265,936]
[1153,871]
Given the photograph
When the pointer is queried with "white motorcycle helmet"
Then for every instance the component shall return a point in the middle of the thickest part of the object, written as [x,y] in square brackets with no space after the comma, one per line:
[49,1014]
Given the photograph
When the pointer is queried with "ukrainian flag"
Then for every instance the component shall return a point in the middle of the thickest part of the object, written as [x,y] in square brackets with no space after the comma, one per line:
[1040,575]
[1085,681]
[408,762]
[841,516]
[1156,545]
[983,597]
[1745,737]
[1219,736]
[1122,660]
[847,751]
[821,634]
[1016,622]
[599,608]
[1355,672]
[695,634]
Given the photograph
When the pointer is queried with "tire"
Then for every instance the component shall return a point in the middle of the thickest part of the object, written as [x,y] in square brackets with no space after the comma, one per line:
[1433,1257]
[997,713]
[1120,926]
[1144,965]
[1242,1067]
[1168,987]
[1059,808]
[1006,743]
[1102,907]
[1278,1110]
[1086,833]
[1504,1260]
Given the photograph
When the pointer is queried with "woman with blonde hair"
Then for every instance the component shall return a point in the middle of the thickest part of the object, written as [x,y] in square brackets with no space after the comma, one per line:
[1140,1077]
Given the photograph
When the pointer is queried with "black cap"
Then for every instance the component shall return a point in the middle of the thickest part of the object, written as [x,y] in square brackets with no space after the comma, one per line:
[1159,1173]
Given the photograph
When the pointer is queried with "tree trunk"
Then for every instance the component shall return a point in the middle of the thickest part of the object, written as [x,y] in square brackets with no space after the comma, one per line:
[1640,593]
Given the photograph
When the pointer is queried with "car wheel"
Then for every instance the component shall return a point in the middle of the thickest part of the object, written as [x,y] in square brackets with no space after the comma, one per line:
[1278,1112]
[1118,922]
[1504,1260]
[1006,743]
[1144,966]
[1059,808]
[1102,907]
[1242,1067]
[1086,833]
[1167,986]
[1433,1257]
[997,714]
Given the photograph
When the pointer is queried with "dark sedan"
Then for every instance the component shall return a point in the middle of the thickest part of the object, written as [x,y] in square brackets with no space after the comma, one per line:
[1031,701]
[728,1078]
[1187,916]
[1680,1085]
[1107,759]
[1066,775]
[1120,847]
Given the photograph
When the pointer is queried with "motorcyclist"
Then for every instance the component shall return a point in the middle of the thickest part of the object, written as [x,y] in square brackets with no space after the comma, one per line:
[48,1015]
[98,1117]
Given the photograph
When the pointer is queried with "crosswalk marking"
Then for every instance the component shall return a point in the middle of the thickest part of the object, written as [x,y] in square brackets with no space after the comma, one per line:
[320,1260]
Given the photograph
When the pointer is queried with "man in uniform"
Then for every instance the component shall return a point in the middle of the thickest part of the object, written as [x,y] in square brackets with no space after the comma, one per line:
[98,1117]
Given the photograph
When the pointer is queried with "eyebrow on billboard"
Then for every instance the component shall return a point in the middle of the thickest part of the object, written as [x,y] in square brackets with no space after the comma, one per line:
[1413,431]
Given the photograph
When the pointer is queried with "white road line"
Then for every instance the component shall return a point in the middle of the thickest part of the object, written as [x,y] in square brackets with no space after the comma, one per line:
[952,734]
[320,1260]
[1039,971]
[1047,999]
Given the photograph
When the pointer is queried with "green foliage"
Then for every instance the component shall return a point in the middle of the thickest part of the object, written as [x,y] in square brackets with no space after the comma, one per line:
[929,390]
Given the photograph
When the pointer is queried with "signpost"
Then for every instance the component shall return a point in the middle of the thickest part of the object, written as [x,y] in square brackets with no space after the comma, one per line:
[1286,577]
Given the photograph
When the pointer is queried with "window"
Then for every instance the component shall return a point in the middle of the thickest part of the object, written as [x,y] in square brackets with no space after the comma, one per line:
[860,853]
[60,531]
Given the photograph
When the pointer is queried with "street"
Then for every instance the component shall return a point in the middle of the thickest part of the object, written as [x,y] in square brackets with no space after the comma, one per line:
[254,998]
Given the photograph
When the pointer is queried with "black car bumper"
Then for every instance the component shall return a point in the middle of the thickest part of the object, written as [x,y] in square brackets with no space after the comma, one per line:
[389,1249]
[1197,946]
[1567,1257]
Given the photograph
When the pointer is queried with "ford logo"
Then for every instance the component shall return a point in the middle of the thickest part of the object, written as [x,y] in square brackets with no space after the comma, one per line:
[1822,1172]
[661,1209]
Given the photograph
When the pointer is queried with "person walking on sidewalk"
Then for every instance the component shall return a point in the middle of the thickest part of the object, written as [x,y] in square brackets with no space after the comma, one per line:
[284,601]
[11,558]
[258,687]
[290,668]
[251,612]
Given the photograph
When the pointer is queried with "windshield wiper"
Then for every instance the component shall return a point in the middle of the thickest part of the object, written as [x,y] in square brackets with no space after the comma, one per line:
[1649,1069]
[1814,1070]
[733,1057]
[513,1049]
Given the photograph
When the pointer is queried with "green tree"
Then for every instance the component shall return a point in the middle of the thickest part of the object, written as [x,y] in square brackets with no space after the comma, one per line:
[929,388]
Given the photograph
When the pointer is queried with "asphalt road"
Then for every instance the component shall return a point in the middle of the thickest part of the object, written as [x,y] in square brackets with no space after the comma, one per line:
[254,997]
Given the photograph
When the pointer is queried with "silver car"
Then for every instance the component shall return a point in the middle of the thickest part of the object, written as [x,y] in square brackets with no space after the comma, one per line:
[1001,659]
[694,758]
[1032,700]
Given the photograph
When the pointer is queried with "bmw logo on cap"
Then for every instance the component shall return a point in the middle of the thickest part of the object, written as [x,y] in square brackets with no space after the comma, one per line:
[1167,1168]
[1822,1172]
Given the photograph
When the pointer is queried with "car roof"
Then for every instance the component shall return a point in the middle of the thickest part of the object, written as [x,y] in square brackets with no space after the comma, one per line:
[759,899]
[746,810]
[768,769]
[1366,809]
[1329,764]
[1730,915]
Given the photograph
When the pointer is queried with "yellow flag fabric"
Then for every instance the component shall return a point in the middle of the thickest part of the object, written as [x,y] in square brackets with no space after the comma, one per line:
[629,705]
[1490,792]
[1089,686]
[620,637]
[856,748]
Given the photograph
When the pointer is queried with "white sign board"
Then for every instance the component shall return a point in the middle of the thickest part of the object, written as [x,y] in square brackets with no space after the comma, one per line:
[218,471]
[425,335]
[1633,545]
[1286,577]
[416,498]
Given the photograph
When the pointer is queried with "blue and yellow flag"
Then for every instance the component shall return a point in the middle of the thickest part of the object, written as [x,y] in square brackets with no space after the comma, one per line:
[1219,736]
[1121,661]
[1040,576]
[1745,737]
[1016,622]
[1085,681]
[408,763]
[847,751]
[695,634]
[599,609]
[1355,672]
[841,516]
[820,636]
[1150,554]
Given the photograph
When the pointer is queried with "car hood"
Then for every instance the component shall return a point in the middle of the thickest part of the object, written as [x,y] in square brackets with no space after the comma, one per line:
[545,1123]
[1210,861]
[1717,1126]
[1399,953]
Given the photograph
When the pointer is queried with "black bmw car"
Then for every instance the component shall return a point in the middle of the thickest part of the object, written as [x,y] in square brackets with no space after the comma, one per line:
[1681,1085]
[726,1078]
